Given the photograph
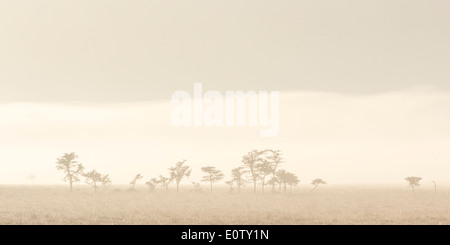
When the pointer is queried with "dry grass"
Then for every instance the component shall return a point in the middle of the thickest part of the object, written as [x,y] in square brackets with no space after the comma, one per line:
[339,205]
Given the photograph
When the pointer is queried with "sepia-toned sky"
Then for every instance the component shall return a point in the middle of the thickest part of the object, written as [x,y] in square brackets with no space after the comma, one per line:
[365,85]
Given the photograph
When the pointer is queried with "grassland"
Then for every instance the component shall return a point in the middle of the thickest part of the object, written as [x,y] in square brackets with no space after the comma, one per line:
[337,205]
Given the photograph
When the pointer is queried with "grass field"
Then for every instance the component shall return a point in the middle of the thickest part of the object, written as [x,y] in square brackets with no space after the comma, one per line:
[337,205]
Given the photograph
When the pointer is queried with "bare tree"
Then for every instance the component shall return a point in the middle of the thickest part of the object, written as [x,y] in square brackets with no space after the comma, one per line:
[178,172]
[212,175]
[237,175]
[251,161]
[135,179]
[316,183]
[71,168]
[413,182]
[93,178]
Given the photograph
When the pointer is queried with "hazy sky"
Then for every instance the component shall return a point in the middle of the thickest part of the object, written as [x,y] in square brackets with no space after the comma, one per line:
[365,90]
[110,51]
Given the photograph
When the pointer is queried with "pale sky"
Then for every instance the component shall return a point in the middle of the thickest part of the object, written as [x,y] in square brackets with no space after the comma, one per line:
[365,90]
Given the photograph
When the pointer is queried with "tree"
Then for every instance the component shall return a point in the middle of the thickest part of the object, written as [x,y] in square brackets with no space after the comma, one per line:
[413,182]
[251,161]
[31,178]
[275,159]
[135,179]
[196,186]
[316,183]
[179,171]
[93,178]
[152,184]
[212,175]
[435,186]
[237,175]
[230,183]
[273,181]
[164,182]
[105,180]
[283,178]
[71,168]
[292,180]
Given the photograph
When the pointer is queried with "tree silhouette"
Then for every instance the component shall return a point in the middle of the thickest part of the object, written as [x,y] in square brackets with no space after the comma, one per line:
[93,178]
[71,168]
[264,169]
[251,161]
[178,172]
[413,182]
[135,179]
[105,180]
[283,178]
[273,181]
[212,175]
[31,178]
[237,175]
[230,183]
[292,180]
[316,183]
[435,186]
[152,184]
[164,182]
[196,186]
[275,159]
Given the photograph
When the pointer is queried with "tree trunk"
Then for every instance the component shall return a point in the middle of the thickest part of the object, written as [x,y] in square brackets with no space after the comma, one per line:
[254,186]
[284,188]
[211,186]
[70,182]
[177,186]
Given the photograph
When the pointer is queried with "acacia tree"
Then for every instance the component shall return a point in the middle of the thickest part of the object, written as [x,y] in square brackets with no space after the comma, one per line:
[135,179]
[196,186]
[94,178]
[230,183]
[237,175]
[292,180]
[251,161]
[435,186]
[316,183]
[264,169]
[273,181]
[179,171]
[152,184]
[413,182]
[105,180]
[275,160]
[212,175]
[164,182]
[71,168]
[31,178]
[283,178]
